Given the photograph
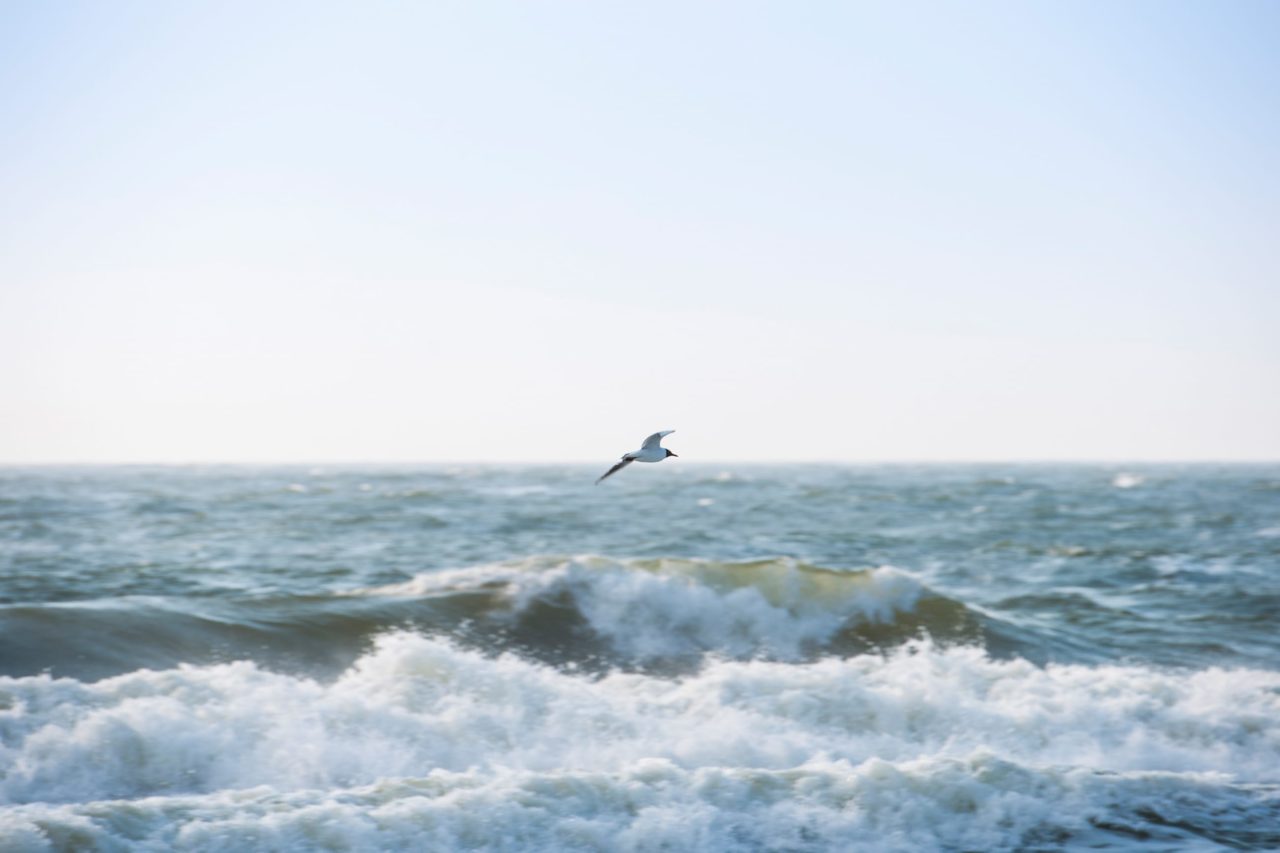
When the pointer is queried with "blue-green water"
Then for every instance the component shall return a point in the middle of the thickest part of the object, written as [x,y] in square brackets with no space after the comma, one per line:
[684,657]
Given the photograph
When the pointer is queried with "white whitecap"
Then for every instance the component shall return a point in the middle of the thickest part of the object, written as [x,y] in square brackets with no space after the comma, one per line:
[423,743]
[1125,480]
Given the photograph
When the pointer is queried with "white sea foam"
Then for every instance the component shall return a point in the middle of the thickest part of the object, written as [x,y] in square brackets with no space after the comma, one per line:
[976,803]
[424,744]
[655,608]
[1125,480]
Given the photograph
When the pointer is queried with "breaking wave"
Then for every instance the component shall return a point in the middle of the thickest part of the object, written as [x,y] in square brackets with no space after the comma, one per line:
[424,743]
[637,611]
[597,612]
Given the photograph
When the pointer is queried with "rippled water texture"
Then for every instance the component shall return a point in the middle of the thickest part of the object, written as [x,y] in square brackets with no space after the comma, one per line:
[682,658]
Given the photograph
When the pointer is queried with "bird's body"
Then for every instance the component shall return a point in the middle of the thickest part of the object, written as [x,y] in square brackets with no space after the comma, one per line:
[651,451]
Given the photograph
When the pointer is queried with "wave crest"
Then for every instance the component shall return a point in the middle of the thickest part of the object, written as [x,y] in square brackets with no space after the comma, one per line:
[666,615]
[667,609]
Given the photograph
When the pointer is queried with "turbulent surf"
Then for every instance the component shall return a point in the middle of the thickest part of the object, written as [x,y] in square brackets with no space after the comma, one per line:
[803,658]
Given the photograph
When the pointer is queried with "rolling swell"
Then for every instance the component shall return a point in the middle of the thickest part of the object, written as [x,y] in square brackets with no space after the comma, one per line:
[658,615]
[668,614]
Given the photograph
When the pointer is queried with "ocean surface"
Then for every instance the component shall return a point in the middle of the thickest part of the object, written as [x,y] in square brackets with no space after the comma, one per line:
[684,658]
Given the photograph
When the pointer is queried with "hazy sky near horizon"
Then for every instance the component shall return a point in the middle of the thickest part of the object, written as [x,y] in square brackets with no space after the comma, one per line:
[506,231]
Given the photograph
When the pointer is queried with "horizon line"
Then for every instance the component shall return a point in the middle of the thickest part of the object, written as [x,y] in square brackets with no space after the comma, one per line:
[348,463]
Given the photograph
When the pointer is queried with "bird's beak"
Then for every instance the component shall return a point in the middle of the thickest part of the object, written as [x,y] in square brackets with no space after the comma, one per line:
[676,455]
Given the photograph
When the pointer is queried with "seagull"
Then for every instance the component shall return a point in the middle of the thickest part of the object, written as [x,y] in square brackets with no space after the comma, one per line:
[651,451]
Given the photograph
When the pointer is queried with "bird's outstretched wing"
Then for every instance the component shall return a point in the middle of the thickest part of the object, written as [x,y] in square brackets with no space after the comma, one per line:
[655,439]
[626,460]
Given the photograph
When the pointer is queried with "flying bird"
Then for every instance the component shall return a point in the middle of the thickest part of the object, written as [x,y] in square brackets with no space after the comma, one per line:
[651,451]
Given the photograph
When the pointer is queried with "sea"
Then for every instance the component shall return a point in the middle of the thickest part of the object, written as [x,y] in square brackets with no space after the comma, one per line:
[686,657]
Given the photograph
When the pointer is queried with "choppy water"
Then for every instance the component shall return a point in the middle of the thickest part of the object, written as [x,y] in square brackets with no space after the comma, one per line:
[683,658]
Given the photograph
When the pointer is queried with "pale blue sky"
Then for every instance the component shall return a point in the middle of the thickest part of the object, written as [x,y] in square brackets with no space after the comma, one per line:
[494,231]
